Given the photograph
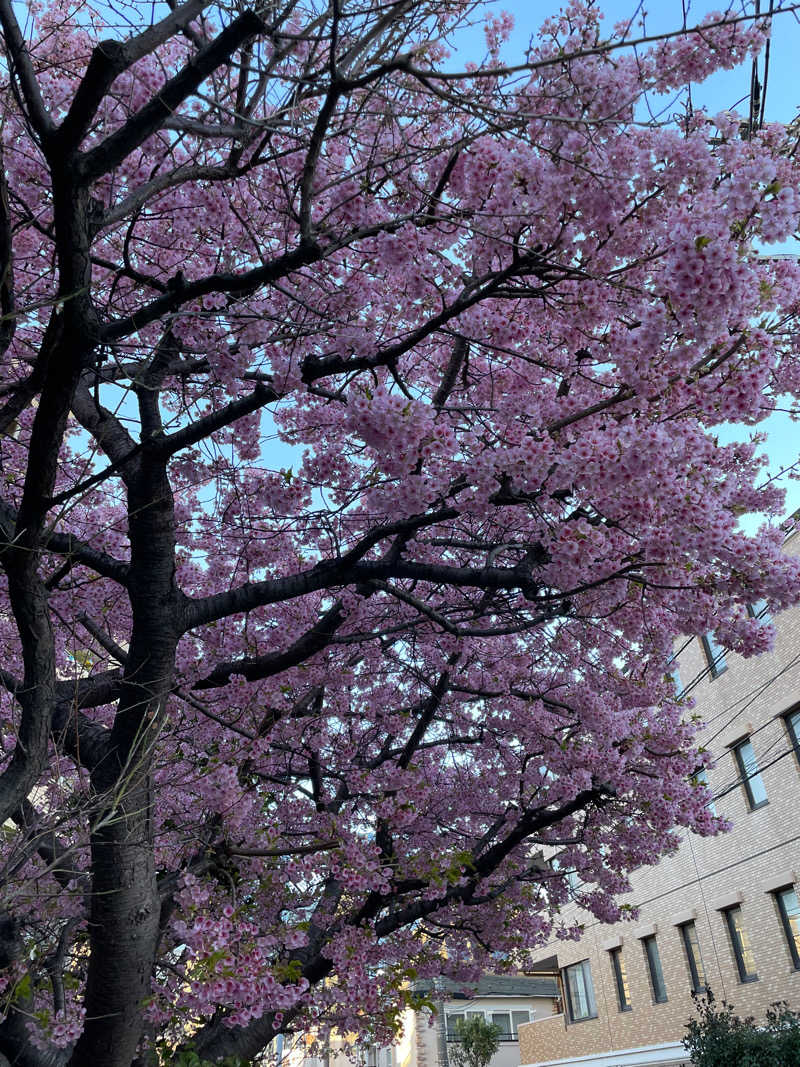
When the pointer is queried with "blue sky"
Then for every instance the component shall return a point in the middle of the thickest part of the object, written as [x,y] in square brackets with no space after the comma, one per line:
[728,89]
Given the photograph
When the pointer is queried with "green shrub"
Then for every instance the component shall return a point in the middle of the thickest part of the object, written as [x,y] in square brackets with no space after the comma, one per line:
[719,1038]
[477,1042]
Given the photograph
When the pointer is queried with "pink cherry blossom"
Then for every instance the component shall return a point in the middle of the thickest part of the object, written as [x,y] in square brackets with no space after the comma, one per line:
[360,475]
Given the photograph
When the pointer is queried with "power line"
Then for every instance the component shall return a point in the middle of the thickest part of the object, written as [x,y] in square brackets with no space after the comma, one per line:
[740,781]
[699,879]
[764,686]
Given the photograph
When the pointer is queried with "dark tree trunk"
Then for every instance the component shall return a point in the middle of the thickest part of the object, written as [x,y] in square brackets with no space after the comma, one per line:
[124,921]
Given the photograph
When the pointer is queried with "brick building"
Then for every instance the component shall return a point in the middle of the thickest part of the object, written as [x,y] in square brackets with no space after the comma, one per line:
[722,911]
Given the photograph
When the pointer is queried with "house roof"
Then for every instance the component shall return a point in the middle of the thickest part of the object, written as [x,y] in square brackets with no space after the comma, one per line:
[489,985]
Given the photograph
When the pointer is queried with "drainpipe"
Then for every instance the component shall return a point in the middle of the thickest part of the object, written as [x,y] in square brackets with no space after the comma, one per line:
[444,1059]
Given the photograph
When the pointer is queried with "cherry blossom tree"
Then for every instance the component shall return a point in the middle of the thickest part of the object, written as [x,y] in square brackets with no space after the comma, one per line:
[359,474]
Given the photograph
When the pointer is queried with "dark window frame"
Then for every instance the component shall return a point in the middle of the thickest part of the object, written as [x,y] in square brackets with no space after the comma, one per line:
[793,730]
[584,965]
[716,661]
[734,937]
[701,776]
[747,777]
[693,959]
[791,944]
[673,671]
[655,971]
[620,979]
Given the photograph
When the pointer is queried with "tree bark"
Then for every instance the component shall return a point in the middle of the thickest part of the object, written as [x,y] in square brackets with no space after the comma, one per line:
[125,907]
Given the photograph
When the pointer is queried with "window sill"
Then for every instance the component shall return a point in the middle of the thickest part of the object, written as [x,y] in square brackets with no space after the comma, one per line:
[748,979]
[586,1019]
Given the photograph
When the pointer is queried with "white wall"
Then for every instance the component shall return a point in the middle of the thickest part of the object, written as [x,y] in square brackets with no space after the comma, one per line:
[508,1053]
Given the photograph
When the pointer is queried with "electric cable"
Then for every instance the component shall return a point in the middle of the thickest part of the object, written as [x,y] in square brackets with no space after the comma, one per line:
[701,878]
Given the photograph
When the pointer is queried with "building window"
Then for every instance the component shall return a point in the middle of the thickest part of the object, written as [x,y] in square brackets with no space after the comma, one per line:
[751,777]
[506,1022]
[580,992]
[675,675]
[453,1020]
[502,1020]
[574,881]
[789,911]
[517,1020]
[654,969]
[620,979]
[792,720]
[691,946]
[715,655]
[740,943]
[759,609]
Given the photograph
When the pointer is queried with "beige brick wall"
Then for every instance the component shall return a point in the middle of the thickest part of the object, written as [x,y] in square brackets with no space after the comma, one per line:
[762,851]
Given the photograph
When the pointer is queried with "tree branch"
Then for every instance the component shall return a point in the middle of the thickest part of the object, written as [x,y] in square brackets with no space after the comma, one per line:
[8,318]
[246,282]
[216,420]
[145,122]
[22,67]
[311,642]
[326,574]
[109,59]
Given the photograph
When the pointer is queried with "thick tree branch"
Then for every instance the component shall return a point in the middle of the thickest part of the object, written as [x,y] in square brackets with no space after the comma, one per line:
[450,376]
[218,1041]
[481,289]
[22,69]
[426,716]
[246,282]
[203,427]
[190,172]
[145,122]
[8,318]
[110,59]
[311,642]
[322,576]
[73,548]
[45,842]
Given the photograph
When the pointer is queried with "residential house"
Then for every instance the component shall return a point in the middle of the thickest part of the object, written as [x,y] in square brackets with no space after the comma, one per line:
[427,1038]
